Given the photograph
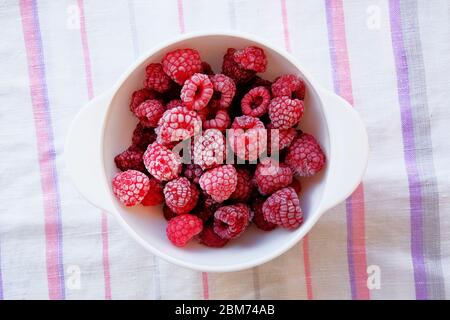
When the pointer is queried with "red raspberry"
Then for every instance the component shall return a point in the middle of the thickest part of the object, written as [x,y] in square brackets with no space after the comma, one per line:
[162,163]
[224,91]
[219,182]
[168,213]
[305,157]
[271,176]
[140,96]
[130,159]
[183,228]
[193,172]
[251,58]
[289,85]
[155,194]
[283,209]
[156,78]
[130,187]
[233,70]
[260,82]
[205,208]
[174,103]
[143,136]
[296,185]
[255,102]
[209,149]
[210,239]
[248,139]
[243,186]
[281,138]
[181,195]
[206,68]
[197,91]
[149,112]
[258,218]
[178,124]
[285,112]
[180,64]
[231,221]
[221,121]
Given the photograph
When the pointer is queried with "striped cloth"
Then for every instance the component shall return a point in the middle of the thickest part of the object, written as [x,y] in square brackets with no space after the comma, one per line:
[388,58]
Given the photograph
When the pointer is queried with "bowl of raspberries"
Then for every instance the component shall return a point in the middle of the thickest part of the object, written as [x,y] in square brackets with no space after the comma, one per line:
[217,152]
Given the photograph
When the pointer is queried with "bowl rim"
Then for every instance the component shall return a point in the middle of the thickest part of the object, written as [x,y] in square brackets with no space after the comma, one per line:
[314,85]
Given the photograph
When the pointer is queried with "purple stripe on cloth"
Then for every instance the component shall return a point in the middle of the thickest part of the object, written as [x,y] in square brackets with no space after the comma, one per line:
[351,262]
[415,189]
[1,277]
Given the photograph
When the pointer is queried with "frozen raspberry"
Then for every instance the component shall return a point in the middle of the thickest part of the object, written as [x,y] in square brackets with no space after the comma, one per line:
[156,78]
[251,58]
[180,64]
[130,159]
[243,186]
[181,195]
[224,91]
[248,139]
[206,68]
[178,124]
[221,121]
[281,138]
[258,218]
[255,102]
[162,163]
[296,185]
[140,96]
[283,209]
[168,213]
[231,221]
[285,112]
[149,112]
[210,239]
[205,208]
[289,85]
[143,136]
[305,157]
[193,172]
[197,91]
[174,103]
[209,149]
[219,182]
[130,187]
[235,71]
[271,176]
[155,194]
[183,228]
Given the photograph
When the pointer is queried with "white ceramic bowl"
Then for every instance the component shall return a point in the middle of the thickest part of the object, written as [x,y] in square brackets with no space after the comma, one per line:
[103,128]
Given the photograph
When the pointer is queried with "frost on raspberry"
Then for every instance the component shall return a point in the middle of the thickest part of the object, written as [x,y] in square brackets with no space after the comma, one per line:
[197,91]
[255,102]
[174,103]
[289,85]
[162,163]
[243,186]
[217,119]
[247,137]
[178,124]
[140,96]
[305,156]
[130,159]
[235,71]
[251,58]
[130,187]
[209,149]
[183,228]
[258,216]
[280,139]
[155,194]
[180,64]
[219,182]
[231,221]
[285,112]
[283,208]
[271,176]
[181,195]
[224,91]
[149,112]
[156,79]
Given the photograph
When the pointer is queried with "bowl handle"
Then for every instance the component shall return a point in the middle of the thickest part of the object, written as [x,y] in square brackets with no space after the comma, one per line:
[349,149]
[83,154]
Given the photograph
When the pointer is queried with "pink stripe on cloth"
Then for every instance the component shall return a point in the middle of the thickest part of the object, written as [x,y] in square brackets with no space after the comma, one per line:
[205,286]
[356,246]
[90,90]
[45,148]
[305,241]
